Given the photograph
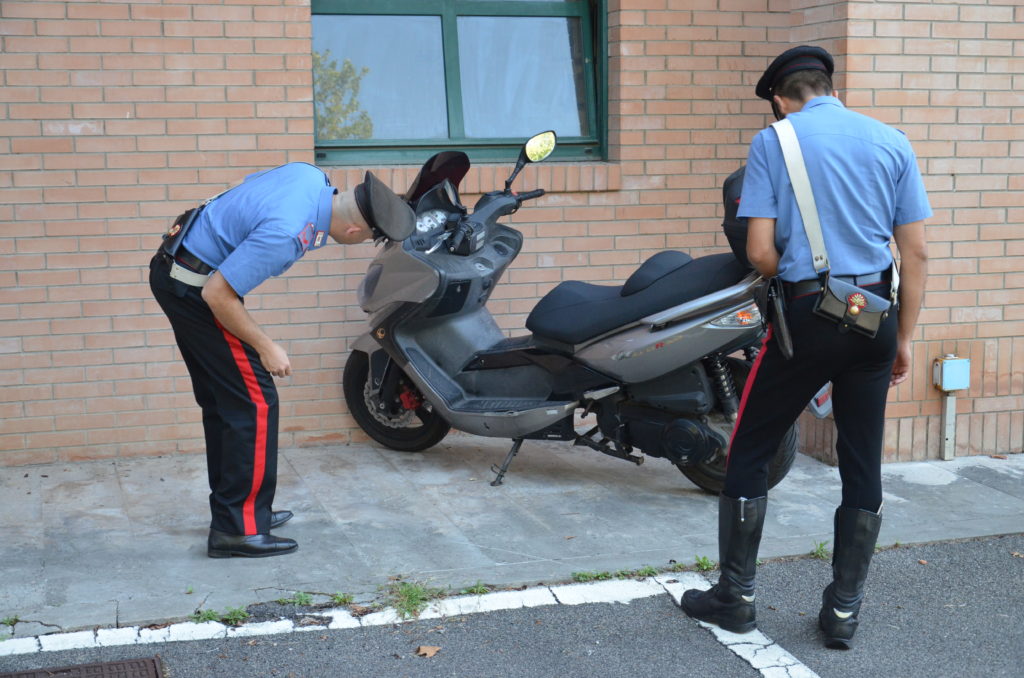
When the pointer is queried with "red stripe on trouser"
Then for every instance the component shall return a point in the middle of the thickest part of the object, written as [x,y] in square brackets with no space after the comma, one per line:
[260,448]
[746,391]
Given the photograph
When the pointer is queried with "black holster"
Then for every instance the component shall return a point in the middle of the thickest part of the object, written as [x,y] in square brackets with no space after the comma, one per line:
[771,301]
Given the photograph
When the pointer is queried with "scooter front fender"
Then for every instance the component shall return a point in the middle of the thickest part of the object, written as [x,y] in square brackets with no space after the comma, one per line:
[365,343]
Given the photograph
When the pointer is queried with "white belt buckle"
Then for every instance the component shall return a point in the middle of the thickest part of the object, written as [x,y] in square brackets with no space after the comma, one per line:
[182,274]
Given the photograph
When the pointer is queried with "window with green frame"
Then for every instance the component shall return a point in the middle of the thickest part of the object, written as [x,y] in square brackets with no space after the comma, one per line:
[396,80]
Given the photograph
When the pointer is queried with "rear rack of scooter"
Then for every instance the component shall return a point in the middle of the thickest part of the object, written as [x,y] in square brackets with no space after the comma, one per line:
[741,291]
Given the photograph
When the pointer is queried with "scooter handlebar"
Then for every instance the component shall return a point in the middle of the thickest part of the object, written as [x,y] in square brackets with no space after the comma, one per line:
[530,195]
[458,235]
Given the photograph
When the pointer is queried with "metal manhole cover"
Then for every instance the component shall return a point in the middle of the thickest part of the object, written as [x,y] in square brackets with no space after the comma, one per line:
[129,668]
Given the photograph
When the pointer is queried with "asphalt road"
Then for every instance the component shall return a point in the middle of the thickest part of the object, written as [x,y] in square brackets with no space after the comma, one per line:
[945,609]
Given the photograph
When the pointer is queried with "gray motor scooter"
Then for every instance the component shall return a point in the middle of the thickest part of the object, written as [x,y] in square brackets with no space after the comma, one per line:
[658,361]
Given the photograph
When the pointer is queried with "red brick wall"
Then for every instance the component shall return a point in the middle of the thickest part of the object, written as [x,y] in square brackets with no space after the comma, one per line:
[949,75]
[116,115]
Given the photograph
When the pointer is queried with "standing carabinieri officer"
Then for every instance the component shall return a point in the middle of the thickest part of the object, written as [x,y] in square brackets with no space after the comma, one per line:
[865,181]
[208,262]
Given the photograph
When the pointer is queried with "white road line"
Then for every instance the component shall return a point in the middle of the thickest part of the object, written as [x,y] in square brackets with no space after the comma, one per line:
[760,651]
[755,648]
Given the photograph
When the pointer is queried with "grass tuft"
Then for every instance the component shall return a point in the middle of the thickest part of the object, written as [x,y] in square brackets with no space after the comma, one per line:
[300,598]
[477,589]
[584,577]
[410,598]
[820,550]
[704,564]
[234,616]
[200,616]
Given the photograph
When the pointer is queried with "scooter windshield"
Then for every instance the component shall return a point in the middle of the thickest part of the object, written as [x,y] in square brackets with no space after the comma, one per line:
[450,165]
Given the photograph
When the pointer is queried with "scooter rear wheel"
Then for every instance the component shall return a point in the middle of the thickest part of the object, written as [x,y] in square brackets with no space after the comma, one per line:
[710,475]
[411,431]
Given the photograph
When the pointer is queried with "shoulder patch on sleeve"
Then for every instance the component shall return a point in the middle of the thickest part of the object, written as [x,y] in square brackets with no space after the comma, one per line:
[306,237]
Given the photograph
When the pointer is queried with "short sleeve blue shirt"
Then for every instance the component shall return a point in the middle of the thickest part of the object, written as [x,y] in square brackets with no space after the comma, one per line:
[865,181]
[261,227]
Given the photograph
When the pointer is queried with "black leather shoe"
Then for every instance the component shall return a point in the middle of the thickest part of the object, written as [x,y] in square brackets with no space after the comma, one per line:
[279,518]
[224,545]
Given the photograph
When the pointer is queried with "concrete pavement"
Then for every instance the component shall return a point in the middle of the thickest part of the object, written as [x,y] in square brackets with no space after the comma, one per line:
[122,542]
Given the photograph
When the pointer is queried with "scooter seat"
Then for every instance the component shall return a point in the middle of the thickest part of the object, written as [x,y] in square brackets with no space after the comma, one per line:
[575,311]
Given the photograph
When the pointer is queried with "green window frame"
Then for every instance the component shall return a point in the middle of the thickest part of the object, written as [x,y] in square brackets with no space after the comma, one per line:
[592,15]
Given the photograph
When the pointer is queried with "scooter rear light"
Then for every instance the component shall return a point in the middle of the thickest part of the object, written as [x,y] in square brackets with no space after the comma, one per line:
[747,316]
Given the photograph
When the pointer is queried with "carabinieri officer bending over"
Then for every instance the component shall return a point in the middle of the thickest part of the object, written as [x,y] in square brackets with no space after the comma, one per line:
[210,259]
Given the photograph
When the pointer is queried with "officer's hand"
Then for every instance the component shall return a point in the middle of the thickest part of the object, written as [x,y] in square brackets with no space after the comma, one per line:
[900,368]
[275,360]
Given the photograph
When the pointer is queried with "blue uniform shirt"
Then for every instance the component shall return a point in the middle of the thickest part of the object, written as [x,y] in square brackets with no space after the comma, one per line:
[261,227]
[865,181]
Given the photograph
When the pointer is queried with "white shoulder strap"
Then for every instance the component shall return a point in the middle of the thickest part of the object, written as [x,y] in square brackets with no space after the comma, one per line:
[212,198]
[802,190]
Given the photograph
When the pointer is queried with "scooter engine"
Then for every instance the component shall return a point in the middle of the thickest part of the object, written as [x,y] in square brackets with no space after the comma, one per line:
[662,434]
[686,442]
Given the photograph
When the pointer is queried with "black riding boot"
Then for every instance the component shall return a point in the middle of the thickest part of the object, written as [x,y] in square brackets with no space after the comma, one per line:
[856,532]
[730,602]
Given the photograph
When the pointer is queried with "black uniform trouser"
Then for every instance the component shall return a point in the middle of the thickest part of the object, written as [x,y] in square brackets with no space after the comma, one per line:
[239,403]
[777,390]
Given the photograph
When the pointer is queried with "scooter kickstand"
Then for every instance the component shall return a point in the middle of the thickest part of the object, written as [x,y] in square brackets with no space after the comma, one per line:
[516,443]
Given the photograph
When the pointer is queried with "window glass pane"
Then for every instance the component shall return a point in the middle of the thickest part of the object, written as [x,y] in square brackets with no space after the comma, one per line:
[522,75]
[378,77]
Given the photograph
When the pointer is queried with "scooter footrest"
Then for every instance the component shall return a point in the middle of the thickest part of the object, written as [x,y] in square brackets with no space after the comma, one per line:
[507,405]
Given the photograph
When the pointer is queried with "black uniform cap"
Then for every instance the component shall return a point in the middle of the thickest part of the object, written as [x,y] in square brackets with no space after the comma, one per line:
[802,58]
[385,213]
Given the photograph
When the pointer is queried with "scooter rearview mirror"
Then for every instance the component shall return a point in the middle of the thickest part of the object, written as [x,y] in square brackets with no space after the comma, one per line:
[540,146]
[537,148]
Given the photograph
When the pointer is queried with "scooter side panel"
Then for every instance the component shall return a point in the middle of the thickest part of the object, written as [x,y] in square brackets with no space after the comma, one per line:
[450,340]
[640,354]
[509,420]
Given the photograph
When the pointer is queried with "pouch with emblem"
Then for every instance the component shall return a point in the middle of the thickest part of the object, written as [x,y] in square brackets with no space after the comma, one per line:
[175,235]
[850,306]
[854,308]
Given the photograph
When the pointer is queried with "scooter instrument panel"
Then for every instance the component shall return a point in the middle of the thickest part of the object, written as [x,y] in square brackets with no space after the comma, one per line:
[430,221]
[435,211]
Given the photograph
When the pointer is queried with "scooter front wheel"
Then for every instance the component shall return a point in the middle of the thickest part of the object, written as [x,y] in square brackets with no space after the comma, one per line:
[411,430]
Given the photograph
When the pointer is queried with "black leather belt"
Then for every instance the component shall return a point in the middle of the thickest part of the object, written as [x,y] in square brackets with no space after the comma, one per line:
[193,262]
[805,287]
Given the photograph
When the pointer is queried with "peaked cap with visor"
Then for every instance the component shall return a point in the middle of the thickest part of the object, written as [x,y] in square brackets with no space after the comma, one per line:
[802,58]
